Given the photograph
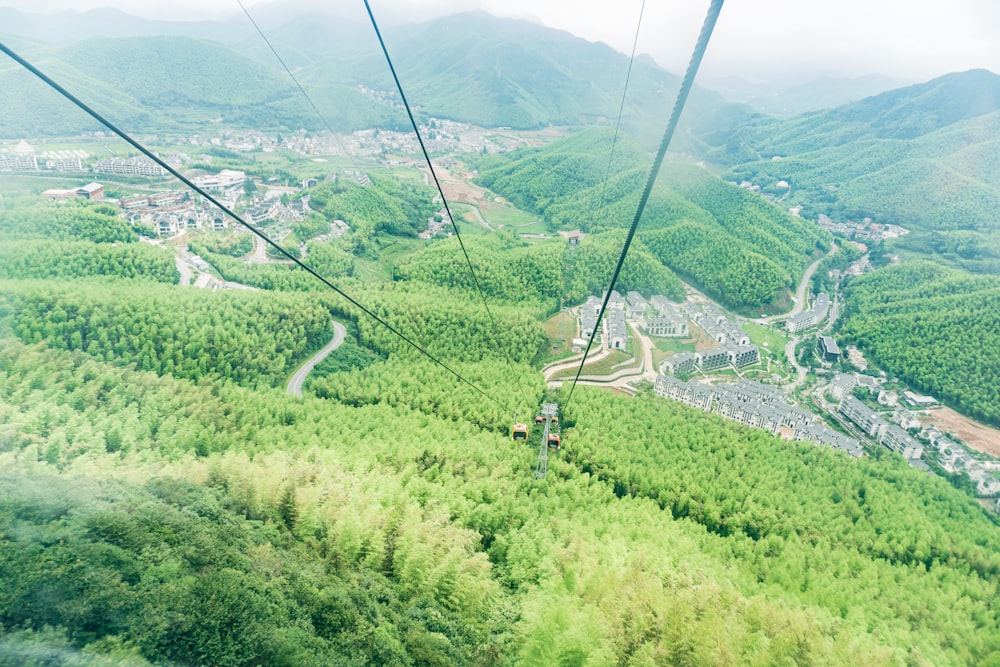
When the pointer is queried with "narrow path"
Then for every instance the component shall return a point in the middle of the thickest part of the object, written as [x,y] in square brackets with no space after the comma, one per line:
[793,362]
[479,215]
[184,270]
[295,383]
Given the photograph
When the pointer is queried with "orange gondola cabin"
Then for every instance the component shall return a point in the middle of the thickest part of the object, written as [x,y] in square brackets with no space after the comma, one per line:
[554,441]
[520,432]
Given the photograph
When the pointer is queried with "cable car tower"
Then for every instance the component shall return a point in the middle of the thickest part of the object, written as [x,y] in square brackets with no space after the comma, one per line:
[550,437]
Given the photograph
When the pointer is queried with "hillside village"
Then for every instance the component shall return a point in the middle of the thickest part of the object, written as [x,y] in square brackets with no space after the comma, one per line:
[702,379]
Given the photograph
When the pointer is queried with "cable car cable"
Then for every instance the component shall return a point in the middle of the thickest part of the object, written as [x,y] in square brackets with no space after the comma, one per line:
[186,181]
[444,200]
[323,119]
[602,203]
[682,94]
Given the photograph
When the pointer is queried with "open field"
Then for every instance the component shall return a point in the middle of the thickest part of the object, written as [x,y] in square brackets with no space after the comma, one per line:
[767,339]
[604,366]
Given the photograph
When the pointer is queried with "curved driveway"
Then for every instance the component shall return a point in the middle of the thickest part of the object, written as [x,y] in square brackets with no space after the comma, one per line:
[295,383]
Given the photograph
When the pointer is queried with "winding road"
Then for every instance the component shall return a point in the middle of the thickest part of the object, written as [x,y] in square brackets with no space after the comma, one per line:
[295,383]
[800,293]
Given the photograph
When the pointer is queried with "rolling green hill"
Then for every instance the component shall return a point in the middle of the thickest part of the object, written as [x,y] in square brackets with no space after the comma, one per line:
[923,157]
[739,248]
[470,67]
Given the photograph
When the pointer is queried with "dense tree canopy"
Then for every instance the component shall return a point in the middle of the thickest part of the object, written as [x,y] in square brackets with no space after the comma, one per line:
[936,327]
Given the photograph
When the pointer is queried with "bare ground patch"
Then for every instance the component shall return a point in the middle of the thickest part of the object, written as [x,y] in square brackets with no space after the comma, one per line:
[977,436]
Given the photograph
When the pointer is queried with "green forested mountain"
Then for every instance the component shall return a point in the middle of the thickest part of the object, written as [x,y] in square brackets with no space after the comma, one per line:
[469,67]
[730,242]
[924,157]
[938,328]
[165,502]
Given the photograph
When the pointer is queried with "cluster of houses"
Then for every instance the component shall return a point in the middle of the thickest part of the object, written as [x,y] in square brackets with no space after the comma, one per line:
[130,166]
[437,225]
[662,318]
[866,230]
[955,458]
[23,157]
[812,317]
[759,406]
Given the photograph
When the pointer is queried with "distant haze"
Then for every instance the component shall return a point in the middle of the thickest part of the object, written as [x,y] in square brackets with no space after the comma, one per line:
[777,41]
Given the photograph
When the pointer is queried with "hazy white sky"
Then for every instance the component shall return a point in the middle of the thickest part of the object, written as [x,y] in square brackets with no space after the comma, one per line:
[760,39]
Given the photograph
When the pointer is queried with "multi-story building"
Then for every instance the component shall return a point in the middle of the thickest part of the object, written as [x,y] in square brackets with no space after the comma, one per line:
[864,417]
[810,317]
[682,362]
[617,329]
[743,355]
[717,357]
[828,348]
[133,166]
[739,402]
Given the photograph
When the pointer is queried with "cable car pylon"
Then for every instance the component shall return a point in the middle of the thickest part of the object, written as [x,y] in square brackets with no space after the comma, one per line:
[550,438]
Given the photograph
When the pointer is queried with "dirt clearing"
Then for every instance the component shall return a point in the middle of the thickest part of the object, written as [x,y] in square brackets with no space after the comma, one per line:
[978,437]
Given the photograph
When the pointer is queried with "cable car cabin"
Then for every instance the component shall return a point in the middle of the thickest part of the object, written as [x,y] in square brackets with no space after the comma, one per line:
[555,420]
[539,419]
[520,433]
[554,442]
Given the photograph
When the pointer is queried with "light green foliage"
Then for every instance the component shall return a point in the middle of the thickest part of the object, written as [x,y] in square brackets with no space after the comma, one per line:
[231,244]
[72,259]
[937,328]
[74,220]
[311,532]
[243,336]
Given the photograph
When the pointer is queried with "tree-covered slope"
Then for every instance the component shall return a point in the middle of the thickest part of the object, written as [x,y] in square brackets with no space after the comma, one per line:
[503,72]
[164,501]
[937,328]
[730,242]
[923,157]
[174,521]
[470,67]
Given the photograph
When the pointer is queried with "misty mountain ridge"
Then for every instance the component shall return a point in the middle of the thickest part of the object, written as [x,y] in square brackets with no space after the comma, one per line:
[814,94]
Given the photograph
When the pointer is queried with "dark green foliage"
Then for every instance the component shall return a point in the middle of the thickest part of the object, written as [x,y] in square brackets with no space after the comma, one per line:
[736,276]
[68,259]
[923,157]
[172,571]
[348,357]
[451,327]
[388,206]
[312,225]
[937,328]
[733,244]
[592,263]
[243,336]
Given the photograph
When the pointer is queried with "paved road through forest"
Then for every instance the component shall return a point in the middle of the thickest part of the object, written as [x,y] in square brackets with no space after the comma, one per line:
[295,383]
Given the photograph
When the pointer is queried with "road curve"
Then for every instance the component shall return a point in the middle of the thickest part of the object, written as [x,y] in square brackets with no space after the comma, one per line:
[800,293]
[295,382]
